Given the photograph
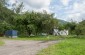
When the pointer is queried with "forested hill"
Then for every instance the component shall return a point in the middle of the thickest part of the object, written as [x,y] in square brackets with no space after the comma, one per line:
[62,21]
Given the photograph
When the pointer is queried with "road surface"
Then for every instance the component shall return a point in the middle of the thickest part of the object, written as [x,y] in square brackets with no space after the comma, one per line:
[18,47]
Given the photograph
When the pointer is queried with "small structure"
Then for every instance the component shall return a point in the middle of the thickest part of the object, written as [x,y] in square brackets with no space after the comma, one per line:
[62,32]
[11,33]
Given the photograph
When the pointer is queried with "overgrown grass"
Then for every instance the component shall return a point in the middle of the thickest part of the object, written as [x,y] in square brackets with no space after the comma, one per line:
[69,46]
[43,38]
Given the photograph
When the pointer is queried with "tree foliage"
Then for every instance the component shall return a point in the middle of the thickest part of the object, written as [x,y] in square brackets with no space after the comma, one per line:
[26,23]
[80,28]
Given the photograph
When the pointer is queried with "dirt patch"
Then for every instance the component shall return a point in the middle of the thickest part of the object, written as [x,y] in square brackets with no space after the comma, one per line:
[17,47]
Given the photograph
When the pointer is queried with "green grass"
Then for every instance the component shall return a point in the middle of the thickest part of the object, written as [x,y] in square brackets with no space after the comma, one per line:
[70,46]
[1,43]
[43,38]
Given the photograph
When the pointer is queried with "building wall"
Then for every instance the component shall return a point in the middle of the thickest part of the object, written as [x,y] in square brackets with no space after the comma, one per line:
[62,32]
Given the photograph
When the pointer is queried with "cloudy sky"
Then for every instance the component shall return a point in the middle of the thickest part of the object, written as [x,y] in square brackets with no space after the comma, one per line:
[63,9]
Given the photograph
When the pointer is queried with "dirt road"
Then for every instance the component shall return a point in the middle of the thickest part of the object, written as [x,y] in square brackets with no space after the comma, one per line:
[18,47]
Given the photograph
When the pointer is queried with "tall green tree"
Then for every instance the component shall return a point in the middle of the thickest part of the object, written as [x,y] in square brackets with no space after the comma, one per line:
[17,8]
[80,28]
[26,23]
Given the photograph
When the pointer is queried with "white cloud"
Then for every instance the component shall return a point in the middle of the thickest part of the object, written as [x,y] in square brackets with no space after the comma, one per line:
[74,16]
[77,12]
[65,2]
[36,5]
[79,7]
[12,1]
[70,8]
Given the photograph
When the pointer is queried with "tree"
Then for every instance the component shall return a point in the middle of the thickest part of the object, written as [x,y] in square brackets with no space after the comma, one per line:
[80,29]
[6,17]
[71,27]
[3,2]
[17,8]
[4,26]
[26,23]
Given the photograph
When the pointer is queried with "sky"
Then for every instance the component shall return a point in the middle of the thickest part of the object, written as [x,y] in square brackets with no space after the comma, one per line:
[64,9]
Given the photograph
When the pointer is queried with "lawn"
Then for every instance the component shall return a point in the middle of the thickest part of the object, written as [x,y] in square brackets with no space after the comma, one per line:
[70,46]
[1,43]
[40,38]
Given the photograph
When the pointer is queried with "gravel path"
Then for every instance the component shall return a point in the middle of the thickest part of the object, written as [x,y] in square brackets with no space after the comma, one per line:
[17,47]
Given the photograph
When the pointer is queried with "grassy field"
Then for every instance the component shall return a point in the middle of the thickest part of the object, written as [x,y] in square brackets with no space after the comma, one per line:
[70,46]
[41,38]
[1,43]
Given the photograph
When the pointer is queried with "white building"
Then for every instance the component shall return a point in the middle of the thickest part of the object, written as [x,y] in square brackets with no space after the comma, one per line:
[62,32]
